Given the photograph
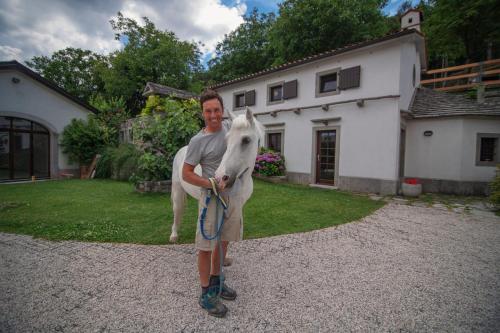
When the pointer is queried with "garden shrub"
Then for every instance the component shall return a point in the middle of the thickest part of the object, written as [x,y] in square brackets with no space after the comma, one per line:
[82,140]
[164,126]
[104,166]
[495,188]
[269,163]
[120,163]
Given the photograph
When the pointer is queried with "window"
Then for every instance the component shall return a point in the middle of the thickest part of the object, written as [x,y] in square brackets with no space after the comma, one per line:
[487,152]
[275,93]
[274,140]
[414,75]
[487,149]
[243,98]
[239,100]
[327,83]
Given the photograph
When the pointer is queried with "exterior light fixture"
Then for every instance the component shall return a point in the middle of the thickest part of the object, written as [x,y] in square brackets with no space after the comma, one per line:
[15,80]
[428,133]
[325,107]
[360,102]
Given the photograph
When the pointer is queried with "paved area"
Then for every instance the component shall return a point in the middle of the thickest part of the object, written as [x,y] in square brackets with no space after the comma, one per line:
[404,268]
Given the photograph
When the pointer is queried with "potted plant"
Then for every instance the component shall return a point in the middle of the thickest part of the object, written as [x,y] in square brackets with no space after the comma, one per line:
[411,187]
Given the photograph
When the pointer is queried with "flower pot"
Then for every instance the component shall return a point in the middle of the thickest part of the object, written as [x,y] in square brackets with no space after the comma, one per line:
[271,179]
[411,190]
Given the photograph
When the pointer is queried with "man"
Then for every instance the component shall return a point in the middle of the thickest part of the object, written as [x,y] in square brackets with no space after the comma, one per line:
[207,148]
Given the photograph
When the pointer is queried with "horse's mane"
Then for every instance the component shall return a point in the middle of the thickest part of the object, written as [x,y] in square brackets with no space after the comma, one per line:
[241,122]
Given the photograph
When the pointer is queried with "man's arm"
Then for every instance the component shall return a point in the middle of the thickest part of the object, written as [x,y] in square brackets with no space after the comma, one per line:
[192,178]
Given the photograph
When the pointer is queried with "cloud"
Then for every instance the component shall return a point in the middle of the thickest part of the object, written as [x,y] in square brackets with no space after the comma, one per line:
[7,52]
[29,28]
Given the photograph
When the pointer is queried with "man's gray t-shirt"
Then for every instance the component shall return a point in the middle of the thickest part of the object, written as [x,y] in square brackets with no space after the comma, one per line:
[207,150]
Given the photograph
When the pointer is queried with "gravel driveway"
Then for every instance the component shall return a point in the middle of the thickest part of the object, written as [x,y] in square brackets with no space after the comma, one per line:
[403,268]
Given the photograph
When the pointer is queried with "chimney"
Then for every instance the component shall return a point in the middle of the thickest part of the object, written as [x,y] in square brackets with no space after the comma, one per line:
[411,19]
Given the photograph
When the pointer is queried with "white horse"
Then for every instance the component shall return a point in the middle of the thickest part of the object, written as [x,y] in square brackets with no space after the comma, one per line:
[243,140]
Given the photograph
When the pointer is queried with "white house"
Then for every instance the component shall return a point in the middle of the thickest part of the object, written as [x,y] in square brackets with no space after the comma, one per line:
[349,118]
[33,113]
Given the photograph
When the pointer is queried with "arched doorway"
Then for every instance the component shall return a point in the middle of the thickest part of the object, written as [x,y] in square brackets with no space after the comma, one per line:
[24,149]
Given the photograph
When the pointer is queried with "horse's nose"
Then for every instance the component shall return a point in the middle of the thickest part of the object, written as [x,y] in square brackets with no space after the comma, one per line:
[225,178]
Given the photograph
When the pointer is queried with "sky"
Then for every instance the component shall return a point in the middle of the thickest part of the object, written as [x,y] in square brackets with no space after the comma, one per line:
[40,27]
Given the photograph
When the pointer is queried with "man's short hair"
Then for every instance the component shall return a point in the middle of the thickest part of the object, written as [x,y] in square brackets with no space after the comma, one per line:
[209,94]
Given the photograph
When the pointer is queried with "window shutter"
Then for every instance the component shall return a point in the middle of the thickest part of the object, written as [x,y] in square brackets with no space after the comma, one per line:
[250,98]
[349,78]
[290,89]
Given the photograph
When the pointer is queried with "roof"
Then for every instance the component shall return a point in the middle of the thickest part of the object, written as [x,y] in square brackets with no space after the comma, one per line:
[322,55]
[14,65]
[428,103]
[158,89]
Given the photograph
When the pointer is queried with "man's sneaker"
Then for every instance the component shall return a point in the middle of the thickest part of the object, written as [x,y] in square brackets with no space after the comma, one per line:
[227,293]
[212,304]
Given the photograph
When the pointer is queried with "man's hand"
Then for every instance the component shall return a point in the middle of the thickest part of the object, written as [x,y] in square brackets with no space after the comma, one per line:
[221,185]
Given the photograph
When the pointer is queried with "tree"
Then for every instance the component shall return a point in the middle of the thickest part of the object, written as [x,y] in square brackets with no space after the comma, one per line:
[308,27]
[245,50]
[111,113]
[462,30]
[75,70]
[149,55]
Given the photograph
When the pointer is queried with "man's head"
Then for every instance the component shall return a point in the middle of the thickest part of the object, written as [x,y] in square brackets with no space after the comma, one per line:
[212,108]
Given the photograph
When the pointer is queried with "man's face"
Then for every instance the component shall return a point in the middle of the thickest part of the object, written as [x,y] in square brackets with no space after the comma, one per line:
[212,114]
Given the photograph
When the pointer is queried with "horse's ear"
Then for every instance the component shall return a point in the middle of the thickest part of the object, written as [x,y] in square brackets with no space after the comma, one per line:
[230,114]
[249,115]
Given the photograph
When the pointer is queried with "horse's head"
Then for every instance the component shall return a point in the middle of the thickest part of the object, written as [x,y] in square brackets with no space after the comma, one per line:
[243,141]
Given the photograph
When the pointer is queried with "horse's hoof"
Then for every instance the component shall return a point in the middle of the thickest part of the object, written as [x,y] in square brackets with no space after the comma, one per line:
[173,239]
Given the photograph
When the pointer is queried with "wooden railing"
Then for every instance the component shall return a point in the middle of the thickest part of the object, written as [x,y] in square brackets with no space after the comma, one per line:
[463,77]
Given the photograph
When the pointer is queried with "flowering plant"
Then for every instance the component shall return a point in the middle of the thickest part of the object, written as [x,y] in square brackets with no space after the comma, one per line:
[269,163]
[412,181]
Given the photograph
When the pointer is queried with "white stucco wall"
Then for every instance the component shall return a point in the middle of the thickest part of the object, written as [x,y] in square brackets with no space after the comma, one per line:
[471,127]
[379,76]
[409,60]
[32,100]
[367,138]
[450,153]
[369,135]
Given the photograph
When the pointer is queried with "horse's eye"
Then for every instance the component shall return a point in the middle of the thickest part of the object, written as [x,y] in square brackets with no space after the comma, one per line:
[245,140]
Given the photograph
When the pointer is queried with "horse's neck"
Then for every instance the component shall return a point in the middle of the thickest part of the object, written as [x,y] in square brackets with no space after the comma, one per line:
[246,186]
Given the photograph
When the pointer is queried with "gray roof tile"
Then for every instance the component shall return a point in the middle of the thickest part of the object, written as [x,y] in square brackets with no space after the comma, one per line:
[428,103]
[158,89]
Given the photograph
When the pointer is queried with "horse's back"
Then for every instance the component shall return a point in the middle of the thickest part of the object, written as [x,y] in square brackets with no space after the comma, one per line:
[179,158]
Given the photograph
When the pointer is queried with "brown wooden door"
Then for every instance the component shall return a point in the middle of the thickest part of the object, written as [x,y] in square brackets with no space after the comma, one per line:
[325,156]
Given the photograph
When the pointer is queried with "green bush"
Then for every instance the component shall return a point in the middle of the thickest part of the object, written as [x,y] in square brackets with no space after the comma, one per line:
[495,189]
[164,126]
[119,163]
[104,166]
[82,140]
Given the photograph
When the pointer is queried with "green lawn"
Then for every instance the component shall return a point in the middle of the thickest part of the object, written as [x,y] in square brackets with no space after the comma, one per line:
[110,211]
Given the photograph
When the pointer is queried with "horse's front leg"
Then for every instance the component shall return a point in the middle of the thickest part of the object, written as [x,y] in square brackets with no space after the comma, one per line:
[178,204]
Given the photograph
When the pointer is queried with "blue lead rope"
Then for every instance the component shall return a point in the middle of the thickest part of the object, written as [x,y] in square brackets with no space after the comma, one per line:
[217,235]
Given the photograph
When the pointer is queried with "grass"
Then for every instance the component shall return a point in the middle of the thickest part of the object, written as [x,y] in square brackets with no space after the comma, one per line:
[111,211]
